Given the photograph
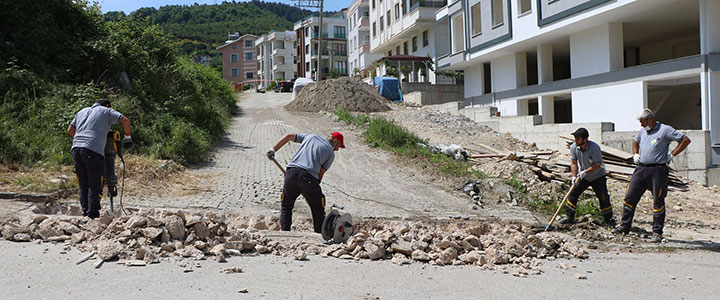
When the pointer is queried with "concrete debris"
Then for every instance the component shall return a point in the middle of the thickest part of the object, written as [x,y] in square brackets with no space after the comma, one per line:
[143,238]
[232,271]
[348,93]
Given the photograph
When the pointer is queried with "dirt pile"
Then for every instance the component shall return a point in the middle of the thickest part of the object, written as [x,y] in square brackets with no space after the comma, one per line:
[348,93]
[146,237]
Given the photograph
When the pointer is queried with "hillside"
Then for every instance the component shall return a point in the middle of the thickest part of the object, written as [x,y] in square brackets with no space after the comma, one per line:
[198,29]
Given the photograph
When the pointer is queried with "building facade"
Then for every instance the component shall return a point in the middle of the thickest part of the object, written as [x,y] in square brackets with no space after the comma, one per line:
[595,62]
[358,22]
[407,27]
[276,57]
[333,53]
[238,59]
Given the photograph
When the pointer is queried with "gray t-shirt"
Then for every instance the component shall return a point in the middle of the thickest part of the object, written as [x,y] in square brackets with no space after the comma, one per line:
[586,159]
[654,144]
[92,125]
[315,153]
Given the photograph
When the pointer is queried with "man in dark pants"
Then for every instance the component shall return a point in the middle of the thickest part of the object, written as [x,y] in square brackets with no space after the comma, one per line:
[650,153]
[89,130]
[585,155]
[304,173]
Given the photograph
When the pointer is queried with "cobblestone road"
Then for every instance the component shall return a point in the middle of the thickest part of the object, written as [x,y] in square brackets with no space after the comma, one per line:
[363,180]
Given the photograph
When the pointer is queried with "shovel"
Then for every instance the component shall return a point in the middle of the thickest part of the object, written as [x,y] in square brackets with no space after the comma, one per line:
[547,227]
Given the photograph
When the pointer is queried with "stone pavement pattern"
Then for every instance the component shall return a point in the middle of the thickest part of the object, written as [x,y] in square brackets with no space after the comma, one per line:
[363,180]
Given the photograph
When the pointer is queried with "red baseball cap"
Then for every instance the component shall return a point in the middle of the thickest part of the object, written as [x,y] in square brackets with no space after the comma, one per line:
[339,137]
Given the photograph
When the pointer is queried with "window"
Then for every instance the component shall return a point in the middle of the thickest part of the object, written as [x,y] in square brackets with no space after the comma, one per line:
[397,50]
[373,4]
[458,37]
[248,43]
[426,40]
[374,32]
[476,19]
[234,46]
[233,57]
[497,13]
[405,47]
[414,43]
[340,49]
[524,6]
[382,24]
[249,75]
[390,53]
[339,32]
[307,31]
[248,55]
[389,21]
[235,73]
[397,11]
[307,49]
[341,67]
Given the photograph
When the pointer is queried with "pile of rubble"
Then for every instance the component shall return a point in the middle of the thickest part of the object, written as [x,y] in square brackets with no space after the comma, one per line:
[348,93]
[149,237]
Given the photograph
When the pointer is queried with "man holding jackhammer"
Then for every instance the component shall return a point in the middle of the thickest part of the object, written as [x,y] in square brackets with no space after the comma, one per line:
[586,157]
[89,130]
[305,172]
[650,153]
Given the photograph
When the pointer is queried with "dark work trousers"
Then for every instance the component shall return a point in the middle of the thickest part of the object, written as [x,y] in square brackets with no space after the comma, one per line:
[599,186]
[647,177]
[89,169]
[299,181]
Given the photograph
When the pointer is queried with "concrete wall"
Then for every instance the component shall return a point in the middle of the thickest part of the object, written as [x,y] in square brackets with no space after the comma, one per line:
[429,94]
[596,50]
[619,104]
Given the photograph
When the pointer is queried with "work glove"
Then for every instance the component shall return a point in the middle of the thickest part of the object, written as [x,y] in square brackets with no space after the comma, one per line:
[127,142]
[270,154]
[581,175]
[636,158]
[669,158]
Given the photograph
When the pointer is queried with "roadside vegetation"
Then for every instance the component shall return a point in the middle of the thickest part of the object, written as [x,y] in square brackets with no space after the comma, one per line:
[388,135]
[58,56]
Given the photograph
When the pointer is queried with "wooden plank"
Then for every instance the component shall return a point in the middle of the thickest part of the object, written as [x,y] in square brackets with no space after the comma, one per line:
[489,155]
[616,152]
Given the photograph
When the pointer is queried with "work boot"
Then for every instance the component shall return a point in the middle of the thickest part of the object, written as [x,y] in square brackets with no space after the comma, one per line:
[611,223]
[656,238]
[567,220]
[619,229]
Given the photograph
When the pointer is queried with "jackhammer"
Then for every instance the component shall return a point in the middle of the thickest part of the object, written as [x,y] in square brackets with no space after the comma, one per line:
[114,148]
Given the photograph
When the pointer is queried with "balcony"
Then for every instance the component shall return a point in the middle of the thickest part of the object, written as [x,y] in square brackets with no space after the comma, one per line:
[364,22]
[314,52]
[365,47]
[315,35]
[279,51]
[428,3]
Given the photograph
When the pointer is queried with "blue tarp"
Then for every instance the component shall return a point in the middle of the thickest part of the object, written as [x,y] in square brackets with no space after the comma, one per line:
[389,87]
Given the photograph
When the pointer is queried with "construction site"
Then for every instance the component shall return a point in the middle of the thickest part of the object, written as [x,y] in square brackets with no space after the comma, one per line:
[462,212]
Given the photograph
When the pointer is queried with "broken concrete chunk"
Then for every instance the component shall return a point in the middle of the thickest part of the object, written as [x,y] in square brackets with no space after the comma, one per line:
[420,255]
[175,227]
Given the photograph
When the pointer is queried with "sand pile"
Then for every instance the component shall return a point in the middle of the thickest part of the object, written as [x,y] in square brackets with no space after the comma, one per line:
[349,93]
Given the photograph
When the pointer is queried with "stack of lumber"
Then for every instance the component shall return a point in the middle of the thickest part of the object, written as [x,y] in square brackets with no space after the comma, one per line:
[551,165]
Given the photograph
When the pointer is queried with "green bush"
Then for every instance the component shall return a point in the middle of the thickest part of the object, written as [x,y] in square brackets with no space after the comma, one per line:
[387,134]
[271,86]
[177,108]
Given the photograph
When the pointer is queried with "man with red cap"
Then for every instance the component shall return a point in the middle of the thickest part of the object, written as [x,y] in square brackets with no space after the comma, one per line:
[305,172]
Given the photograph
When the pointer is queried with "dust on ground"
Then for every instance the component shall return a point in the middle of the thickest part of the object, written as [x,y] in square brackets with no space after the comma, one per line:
[348,93]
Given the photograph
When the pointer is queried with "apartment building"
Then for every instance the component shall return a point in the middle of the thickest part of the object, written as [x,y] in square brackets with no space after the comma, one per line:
[358,20]
[407,27]
[333,52]
[238,59]
[597,63]
[276,57]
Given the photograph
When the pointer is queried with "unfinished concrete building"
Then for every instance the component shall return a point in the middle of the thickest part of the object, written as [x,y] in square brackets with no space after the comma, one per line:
[540,68]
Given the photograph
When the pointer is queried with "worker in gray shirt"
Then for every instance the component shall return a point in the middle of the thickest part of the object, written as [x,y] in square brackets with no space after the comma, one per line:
[588,169]
[305,172]
[650,153]
[89,130]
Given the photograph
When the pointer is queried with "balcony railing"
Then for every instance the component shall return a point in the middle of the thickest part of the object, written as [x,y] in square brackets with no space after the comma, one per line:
[340,36]
[314,52]
[315,35]
[428,3]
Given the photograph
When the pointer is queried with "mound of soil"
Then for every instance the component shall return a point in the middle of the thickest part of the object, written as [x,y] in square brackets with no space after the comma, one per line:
[349,93]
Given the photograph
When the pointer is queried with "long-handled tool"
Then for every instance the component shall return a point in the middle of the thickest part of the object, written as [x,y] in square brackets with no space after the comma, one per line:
[547,227]
[278,165]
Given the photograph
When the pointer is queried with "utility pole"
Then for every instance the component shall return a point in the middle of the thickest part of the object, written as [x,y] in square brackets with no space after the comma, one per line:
[319,5]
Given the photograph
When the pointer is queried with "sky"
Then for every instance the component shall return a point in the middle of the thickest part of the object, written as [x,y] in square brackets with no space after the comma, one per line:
[129,6]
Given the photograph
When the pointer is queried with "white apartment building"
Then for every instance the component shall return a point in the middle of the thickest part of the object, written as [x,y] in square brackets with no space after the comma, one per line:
[276,56]
[333,53]
[407,27]
[595,63]
[358,19]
